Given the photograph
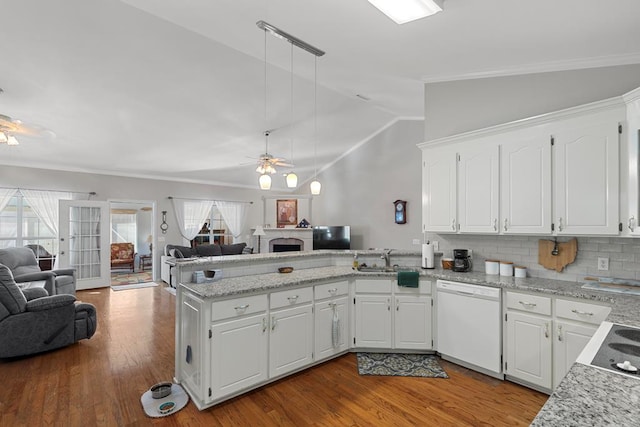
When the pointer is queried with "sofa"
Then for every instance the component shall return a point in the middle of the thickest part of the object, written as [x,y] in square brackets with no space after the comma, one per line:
[32,321]
[172,252]
[25,270]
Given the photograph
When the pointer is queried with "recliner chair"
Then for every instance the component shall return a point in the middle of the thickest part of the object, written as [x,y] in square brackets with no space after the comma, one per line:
[32,321]
[24,267]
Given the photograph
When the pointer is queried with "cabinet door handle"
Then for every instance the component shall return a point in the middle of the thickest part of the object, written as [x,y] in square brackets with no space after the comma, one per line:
[273,322]
[506,224]
[388,305]
[453,224]
[528,304]
[632,223]
[581,313]
[264,324]
[560,227]
[559,332]
[546,330]
[495,224]
[397,306]
[292,299]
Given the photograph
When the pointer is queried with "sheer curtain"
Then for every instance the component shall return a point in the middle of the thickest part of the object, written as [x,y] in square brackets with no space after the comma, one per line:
[5,195]
[234,215]
[45,205]
[191,214]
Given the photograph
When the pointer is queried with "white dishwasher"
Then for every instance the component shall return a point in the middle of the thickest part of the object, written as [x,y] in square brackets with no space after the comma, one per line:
[469,326]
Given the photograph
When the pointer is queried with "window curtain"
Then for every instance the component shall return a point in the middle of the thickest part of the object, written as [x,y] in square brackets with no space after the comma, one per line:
[234,215]
[191,214]
[45,205]
[5,196]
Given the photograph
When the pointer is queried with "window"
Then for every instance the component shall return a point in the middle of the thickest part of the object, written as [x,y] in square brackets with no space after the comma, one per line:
[214,230]
[20,226]
[123,228]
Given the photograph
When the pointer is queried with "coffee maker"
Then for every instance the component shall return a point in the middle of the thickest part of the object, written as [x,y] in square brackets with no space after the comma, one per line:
[461,260]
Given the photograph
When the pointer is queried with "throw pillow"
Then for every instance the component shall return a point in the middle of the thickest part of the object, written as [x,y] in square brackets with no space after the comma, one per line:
[209,250]
[235,249]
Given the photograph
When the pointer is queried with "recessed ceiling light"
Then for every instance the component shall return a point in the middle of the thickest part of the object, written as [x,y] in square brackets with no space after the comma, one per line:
[403,11]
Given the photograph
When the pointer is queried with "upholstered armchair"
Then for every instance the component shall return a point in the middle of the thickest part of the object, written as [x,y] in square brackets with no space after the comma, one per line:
[26,271]
[31,321]
[123,255]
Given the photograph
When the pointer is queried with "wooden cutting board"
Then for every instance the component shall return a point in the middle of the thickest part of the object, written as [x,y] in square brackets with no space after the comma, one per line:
[566,254]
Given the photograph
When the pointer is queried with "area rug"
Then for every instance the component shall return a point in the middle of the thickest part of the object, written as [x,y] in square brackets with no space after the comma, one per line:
[133,286]
[130,278]
[403,365]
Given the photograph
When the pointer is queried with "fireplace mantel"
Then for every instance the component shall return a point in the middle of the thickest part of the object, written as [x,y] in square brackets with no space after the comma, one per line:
[304,234]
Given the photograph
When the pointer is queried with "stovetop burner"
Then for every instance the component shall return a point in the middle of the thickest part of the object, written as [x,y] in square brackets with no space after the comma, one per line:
[619,351]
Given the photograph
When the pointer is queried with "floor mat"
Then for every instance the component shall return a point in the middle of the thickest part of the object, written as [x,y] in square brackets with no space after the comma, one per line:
[403,365]
[126,278]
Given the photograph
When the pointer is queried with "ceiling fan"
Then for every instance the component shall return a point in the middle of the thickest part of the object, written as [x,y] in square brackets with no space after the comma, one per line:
[10,127]
[267,162]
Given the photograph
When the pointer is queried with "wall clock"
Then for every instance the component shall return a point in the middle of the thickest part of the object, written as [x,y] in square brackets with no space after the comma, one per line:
[164,226]
[400,208]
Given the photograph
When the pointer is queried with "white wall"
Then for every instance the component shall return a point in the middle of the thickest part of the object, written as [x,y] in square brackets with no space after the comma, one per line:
[122,188]
[359,190]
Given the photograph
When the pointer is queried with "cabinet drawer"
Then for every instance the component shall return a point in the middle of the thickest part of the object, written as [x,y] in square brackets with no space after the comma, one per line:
[382,286]
[529,303]
[238,307]
[291,297]
[423,289]
[331,290]
[581,311]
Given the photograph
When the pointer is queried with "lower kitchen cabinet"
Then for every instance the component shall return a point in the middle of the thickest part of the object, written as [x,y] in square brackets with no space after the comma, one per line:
[412,322]
[570,340]
[291,340]
[373,321]
[238,355]
[529,348]
[190,353]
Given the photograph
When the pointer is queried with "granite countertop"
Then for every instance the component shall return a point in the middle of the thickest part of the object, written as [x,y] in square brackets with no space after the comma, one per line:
[587,396]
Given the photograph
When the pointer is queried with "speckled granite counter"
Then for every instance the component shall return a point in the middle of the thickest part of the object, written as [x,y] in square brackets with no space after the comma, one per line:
[587,396]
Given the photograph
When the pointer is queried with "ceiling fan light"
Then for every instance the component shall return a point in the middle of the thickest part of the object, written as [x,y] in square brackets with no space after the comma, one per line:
[403,11]
[3,137]
[292,180]
[265,182]
[11,140]
[315,187]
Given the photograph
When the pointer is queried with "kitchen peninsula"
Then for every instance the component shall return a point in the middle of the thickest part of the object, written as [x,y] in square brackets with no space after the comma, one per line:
[254,293]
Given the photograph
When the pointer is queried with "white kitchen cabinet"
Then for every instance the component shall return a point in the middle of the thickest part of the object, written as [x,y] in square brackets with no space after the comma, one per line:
[571,339]
[529,348]
[238,355]
[587,178]
[331,319]
[412,322]
[439,191]
[291,340]
[190,354]
[630,165]
[478,188]
[525,184]
[373,321]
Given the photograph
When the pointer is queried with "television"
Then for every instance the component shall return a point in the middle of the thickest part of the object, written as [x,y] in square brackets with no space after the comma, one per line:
[331,237]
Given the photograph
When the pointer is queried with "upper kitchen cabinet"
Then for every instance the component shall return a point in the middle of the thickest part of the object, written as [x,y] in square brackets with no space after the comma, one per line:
[586,174]
[439,191]
[478,188]
[631,150]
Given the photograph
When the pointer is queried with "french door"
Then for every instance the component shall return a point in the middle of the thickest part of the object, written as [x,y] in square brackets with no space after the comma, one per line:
[84,241]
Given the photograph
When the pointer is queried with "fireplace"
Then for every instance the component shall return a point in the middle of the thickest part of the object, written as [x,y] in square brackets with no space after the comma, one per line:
[286,245]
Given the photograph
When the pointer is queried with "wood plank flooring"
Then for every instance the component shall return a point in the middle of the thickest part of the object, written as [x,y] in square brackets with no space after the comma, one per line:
[98,382]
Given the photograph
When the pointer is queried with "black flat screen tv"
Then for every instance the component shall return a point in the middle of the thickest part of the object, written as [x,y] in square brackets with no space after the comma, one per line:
[331,237]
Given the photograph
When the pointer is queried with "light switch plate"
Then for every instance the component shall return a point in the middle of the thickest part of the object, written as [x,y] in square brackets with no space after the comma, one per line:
[603,264]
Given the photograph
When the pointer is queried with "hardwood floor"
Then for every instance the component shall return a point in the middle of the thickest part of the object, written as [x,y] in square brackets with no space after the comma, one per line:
[98,382]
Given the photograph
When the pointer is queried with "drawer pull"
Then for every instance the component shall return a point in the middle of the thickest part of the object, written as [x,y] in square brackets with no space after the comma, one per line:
[528,304]
[242,307]
[333,291]
[293,298]
[581,313]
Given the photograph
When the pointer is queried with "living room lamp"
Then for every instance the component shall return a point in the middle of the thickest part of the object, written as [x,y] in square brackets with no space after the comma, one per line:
[259,233]
[403,11]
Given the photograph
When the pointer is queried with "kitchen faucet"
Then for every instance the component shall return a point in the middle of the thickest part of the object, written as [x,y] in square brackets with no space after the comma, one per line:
[386,256]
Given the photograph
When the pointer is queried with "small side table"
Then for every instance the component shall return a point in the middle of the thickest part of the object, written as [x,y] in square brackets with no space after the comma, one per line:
[145,260]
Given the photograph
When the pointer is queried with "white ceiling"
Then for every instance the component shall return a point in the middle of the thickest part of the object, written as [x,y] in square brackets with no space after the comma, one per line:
[175,89]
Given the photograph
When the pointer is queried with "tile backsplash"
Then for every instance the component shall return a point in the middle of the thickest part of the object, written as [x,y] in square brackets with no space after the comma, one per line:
[623,254]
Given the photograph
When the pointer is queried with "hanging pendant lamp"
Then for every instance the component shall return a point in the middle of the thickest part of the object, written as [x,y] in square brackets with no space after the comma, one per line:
[315,185]
[265,182]
[292,178]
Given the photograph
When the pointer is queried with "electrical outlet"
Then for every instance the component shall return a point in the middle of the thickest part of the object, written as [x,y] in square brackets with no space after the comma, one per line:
[603,264]
[436,246]
[416,242]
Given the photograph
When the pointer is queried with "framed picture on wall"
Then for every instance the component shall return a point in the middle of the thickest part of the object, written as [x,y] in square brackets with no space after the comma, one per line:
[287,212]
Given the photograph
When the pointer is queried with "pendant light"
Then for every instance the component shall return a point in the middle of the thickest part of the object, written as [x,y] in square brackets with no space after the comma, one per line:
[315,185]
[265,182]
[292,178]
[263,169]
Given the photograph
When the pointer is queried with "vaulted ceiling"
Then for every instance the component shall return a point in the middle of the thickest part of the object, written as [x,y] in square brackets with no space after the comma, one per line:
[176,89]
